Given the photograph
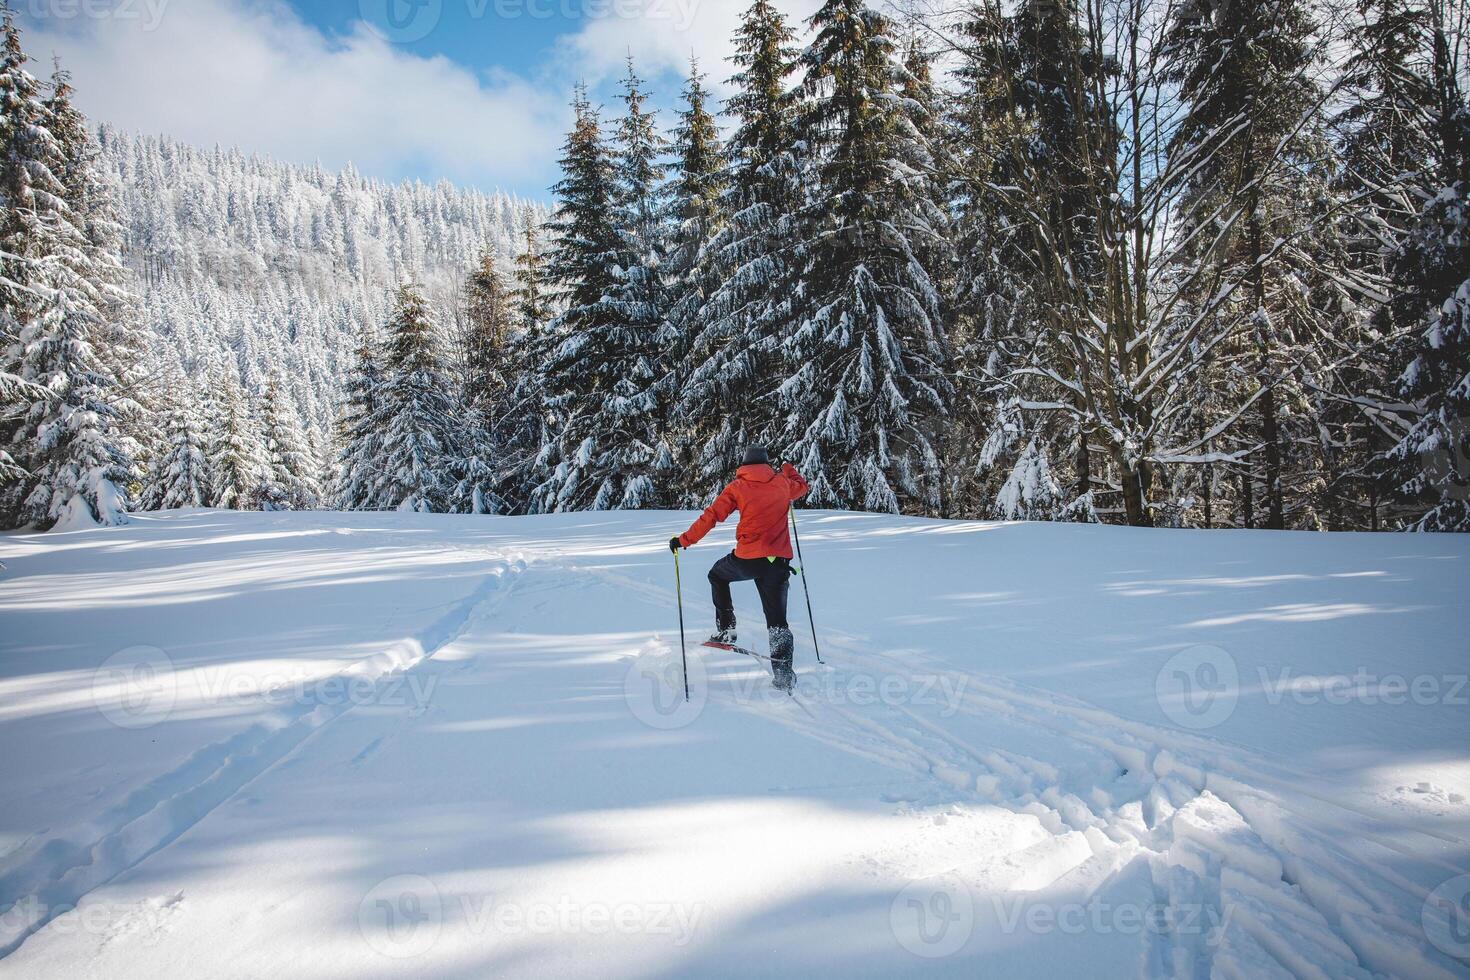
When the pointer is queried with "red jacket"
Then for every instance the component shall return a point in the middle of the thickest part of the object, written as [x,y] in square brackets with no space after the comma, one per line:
[762,496]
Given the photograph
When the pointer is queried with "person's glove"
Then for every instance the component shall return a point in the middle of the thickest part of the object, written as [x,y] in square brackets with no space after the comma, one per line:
[674,545]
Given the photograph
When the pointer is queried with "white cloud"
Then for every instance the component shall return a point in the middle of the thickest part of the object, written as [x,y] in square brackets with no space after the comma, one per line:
[665,36]
[250,73]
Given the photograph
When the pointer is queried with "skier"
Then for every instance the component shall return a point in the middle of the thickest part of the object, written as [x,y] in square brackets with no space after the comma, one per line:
[762,552]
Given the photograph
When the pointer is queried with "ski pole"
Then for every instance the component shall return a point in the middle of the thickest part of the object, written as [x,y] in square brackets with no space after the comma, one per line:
[679,591]
[791,509]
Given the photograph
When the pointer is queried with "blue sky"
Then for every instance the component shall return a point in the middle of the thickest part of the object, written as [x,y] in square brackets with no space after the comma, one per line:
[474,91]
[480,33]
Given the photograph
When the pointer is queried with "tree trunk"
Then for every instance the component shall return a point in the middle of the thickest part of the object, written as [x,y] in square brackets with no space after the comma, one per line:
[1135,505]
[1270,434]
[1247,500]
[1084,467]
[1270,430]
[1207,491]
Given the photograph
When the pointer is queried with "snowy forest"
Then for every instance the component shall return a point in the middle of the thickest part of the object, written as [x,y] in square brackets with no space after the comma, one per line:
[267,271]
[1158,262]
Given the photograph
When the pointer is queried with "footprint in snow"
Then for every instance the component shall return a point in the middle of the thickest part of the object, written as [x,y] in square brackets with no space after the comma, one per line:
[1425,795]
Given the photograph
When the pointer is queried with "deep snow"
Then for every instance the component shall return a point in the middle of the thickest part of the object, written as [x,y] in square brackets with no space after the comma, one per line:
[355,745]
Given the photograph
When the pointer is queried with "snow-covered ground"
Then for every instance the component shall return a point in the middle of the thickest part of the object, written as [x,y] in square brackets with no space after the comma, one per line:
[352,745]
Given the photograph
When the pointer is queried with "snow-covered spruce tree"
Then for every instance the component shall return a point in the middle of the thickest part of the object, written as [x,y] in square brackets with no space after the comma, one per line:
[581,271]
[526,426]
[729,398]
[180,476]
[289,480]
[697,178]
[22,138]
[929,173]
[119,341]
[640,406]
[69,443]
[1386,124]
[486,362]
[864,391]
[1431,274]
[925,155]
[20,238]
[237,458]
[1401,88]
[607,447]
[985,293]
[360,463]
[1029,492]
[76,462]
[1027,158]
[532,304]
[15,391]
[1242,72]
[1065,158]
[488,320]
[325,450]
[30,190]
[1386,147]
[415,416]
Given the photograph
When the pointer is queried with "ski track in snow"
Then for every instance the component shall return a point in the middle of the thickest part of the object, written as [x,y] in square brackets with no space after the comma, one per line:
[50,874]
[1295,883]
[1285,895]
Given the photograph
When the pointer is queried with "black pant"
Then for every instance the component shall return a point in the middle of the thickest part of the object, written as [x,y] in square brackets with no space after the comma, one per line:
[772,579]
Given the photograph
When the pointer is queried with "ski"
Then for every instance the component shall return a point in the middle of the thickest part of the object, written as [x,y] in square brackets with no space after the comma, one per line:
[716,645]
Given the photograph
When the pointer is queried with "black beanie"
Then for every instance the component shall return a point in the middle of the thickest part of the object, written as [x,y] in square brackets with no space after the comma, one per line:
[756,454]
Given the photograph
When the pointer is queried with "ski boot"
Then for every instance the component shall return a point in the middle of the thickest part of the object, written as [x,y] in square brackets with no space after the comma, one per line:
[782,650]
[722,635]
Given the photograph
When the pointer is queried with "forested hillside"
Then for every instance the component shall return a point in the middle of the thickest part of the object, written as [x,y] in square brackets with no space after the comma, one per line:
[273,268]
